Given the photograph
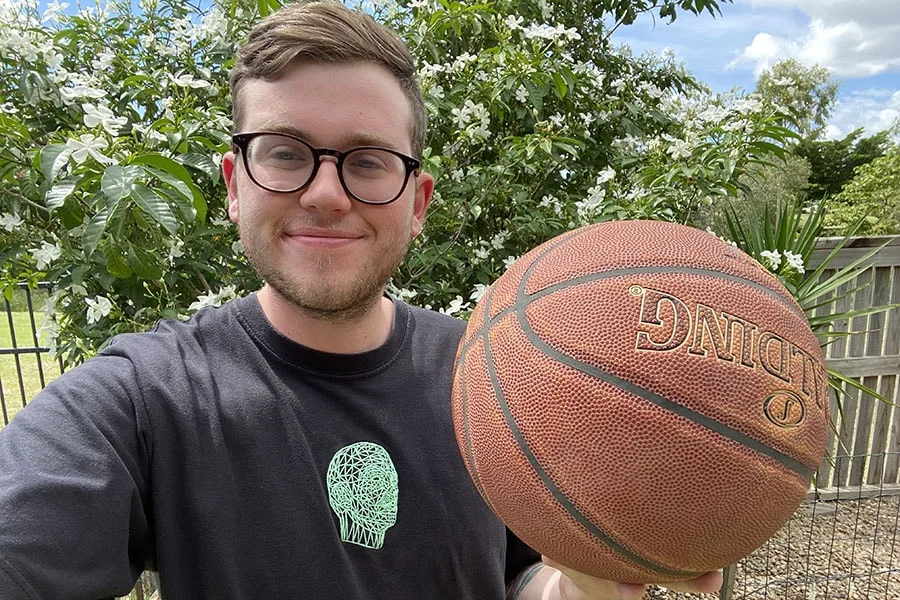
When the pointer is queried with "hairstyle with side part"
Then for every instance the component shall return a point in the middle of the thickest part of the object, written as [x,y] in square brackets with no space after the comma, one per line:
[326,32]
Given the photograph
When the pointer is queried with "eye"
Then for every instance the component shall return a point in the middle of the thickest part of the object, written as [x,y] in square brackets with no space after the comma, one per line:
[368,161]
[285,153]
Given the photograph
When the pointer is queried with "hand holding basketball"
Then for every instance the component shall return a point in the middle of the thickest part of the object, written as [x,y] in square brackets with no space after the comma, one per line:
[580,586]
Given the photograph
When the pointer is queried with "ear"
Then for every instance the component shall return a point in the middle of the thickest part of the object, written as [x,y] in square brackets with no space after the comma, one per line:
[424,191]
[229,164]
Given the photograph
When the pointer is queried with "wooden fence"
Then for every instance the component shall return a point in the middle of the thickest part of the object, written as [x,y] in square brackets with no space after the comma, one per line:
[864,448]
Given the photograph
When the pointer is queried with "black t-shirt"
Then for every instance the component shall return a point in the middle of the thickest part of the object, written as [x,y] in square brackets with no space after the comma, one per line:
[242,465]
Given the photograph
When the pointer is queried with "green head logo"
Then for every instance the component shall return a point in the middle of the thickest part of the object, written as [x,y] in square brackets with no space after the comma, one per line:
[362,490]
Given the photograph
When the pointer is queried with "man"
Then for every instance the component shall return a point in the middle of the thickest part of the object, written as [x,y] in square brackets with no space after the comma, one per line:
[296,443]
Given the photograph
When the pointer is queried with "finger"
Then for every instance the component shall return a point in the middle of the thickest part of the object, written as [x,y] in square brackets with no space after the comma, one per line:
[580,585]
[705,584]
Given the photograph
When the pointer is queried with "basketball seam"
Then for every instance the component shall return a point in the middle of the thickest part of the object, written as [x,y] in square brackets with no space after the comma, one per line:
[560,497]
[464,417]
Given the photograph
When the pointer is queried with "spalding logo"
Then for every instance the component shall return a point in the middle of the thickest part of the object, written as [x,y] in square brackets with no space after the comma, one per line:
[667,323]
[784,408]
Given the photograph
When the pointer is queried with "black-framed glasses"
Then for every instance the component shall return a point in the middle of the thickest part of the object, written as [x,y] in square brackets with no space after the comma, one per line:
[284,163]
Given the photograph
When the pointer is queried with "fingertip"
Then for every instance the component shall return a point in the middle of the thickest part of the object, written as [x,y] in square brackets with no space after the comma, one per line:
[631,591]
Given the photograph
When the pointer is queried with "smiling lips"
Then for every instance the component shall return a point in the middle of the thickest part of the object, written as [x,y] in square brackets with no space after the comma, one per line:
[323,238]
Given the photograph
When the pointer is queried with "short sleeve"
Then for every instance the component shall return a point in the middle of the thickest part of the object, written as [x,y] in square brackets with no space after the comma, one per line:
[74,487]
[518,556]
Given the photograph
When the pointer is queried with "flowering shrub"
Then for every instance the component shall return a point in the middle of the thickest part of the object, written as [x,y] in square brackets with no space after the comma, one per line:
[115,117]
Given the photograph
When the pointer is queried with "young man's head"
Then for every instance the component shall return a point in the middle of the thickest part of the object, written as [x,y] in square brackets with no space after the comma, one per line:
[323,178]
[326,32]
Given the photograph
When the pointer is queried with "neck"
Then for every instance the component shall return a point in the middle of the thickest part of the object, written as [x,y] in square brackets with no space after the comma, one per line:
[361,332]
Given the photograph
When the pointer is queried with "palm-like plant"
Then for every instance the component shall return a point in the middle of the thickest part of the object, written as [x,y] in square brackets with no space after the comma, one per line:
[784,243]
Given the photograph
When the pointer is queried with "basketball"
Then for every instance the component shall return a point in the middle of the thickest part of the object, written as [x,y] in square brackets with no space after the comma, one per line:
[640,401]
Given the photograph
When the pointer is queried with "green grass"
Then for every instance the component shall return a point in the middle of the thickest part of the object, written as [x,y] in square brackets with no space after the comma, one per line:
[27,364]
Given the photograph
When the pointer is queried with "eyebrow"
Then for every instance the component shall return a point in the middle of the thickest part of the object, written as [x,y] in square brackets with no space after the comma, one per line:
[359,138]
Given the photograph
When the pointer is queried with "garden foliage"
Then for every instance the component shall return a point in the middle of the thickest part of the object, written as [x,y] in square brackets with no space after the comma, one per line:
[114,118]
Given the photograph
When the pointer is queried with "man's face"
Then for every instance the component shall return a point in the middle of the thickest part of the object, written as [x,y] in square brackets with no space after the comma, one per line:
[318,248]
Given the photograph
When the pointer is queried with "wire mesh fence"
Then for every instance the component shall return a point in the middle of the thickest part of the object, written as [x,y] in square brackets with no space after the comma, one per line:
[841,543]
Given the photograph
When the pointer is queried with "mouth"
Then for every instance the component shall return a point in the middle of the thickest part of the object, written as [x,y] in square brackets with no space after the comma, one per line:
[322,238]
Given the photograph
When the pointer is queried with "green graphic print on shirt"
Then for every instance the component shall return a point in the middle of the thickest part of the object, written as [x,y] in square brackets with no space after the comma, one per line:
[362,491]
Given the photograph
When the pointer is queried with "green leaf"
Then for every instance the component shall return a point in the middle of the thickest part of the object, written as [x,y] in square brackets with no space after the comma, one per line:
[116,265]
[53,158]
[184,205]
[56,196]
[202,163]
[94,231]
[561,86]
[118,182]
[156,206]
[144,264]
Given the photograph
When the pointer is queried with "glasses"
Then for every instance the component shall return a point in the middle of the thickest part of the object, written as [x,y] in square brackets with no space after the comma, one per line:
[283,163]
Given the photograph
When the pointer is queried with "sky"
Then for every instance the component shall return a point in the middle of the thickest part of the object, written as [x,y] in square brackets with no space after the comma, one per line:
[858,41]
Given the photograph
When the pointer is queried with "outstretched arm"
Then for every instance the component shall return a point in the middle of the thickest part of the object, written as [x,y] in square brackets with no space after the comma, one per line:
[552,581]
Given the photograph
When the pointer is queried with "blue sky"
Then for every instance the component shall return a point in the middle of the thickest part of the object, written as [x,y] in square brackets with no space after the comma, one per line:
[857,40]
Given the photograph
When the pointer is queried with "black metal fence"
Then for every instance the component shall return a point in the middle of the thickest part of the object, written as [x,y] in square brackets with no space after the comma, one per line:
[25,364]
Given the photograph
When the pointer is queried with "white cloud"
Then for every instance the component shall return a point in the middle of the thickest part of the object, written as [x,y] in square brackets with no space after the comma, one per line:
[849,37]
[874,109]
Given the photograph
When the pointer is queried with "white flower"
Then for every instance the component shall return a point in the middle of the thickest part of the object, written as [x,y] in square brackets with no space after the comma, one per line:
[509,260]
[98,308]
[213,298]
[101,115]
[237,247]
[794,261]
[81,91]
[103,60]
[456,305]
[8,108]
[680,149]
[713,114]
[45,255]
[10,222]
[176,250]
[522,94]
[482,253]
[88,145]
[514,21]
[188,81]
[499,239]
[478,292]
[54,10]
[771,258]
[747,105]
[605,175]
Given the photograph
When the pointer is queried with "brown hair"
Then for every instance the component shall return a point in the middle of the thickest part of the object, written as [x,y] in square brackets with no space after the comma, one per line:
[324,32]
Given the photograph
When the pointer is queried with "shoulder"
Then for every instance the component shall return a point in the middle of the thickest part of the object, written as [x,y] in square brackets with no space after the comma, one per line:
[172,339]
[434,322]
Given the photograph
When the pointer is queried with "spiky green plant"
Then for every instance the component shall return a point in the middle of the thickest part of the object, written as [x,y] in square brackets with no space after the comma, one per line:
[784,243]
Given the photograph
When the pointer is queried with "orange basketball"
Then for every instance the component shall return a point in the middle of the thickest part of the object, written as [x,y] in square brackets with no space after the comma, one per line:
[640,401]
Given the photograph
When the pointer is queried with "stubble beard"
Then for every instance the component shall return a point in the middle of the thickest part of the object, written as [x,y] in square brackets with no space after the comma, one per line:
[327,299]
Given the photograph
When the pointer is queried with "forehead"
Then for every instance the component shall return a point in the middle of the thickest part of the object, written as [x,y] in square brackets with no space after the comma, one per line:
[333,105]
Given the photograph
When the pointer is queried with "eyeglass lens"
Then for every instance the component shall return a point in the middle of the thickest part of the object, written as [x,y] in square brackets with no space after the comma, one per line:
[281,163]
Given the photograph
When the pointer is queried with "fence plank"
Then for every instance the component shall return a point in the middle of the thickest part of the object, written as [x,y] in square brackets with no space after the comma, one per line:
[886,257]
[863,430]
[866,366]
[849,405]
[882,424]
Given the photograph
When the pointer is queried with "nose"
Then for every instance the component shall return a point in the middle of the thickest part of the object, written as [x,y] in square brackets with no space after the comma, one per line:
[325,192]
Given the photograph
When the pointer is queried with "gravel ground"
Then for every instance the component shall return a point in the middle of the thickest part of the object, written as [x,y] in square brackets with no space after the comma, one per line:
[830,550]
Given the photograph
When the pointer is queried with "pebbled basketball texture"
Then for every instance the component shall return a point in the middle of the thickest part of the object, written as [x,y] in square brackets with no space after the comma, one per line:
[640,401]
